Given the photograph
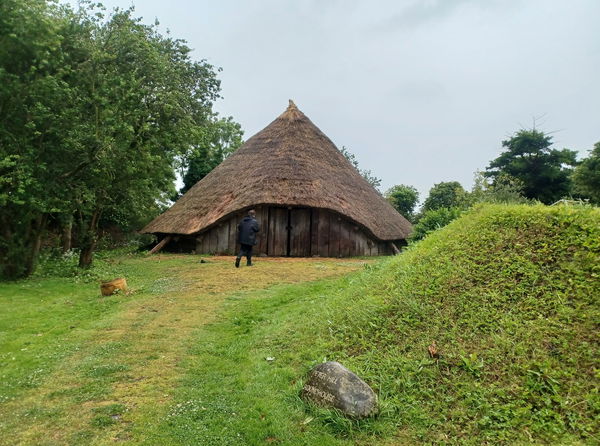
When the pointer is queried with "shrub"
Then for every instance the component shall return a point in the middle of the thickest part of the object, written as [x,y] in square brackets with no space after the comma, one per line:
[432,220]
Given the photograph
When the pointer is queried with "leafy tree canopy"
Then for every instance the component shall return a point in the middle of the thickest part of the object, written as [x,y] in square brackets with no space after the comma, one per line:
[433,220]
[528,157]
[505,189]
[448,194]
[96,112]
[218,140]
[404,199]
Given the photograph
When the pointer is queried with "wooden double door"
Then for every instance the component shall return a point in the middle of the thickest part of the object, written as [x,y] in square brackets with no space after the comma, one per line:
[289,232]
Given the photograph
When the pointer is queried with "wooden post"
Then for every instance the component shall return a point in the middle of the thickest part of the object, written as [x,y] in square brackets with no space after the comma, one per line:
[161,244]
[394,248]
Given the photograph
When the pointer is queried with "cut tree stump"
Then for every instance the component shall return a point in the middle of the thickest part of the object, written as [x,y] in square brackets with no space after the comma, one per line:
[109,288]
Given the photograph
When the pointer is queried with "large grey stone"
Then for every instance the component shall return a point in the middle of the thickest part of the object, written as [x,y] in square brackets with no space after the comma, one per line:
[330,384]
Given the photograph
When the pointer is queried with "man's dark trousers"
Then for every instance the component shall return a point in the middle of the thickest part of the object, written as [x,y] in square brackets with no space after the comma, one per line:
[245,250]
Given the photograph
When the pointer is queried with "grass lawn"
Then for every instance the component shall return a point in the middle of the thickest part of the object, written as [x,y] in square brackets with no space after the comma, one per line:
[180,360]
[508,295]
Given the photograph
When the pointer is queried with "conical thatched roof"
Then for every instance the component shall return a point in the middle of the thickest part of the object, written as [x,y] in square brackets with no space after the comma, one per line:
[290,163]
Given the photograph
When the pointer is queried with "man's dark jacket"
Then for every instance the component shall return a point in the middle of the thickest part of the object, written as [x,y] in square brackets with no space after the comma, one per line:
[247,230]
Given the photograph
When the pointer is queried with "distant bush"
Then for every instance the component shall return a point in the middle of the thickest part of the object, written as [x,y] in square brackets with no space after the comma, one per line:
[433,220]
[403,198]
[53,263]
[447,201]
[447,194]
[126,240]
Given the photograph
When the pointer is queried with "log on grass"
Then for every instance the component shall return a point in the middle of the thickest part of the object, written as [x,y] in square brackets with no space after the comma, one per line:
[161,244]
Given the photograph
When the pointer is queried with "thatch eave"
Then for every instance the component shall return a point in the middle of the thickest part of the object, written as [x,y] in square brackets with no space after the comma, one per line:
[243,210]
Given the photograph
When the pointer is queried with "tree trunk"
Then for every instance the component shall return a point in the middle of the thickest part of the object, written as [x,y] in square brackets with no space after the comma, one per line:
[67,237]
[38,229]
[9,269]
[88,241]
[87,255]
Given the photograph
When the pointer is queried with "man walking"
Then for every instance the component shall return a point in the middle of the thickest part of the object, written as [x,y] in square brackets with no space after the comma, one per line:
[247,230]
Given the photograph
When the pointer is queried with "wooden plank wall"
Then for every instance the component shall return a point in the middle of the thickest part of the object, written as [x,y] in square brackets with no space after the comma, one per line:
[300,238]
[314,232]
[334,233]
[233,247]
[262,215]
[321,221]
[278,232]
[346,241]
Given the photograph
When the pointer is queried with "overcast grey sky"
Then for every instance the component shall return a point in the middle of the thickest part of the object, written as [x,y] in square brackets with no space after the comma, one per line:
[421,91]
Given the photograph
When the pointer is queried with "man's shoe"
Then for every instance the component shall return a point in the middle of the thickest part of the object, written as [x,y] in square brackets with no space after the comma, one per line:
[237,262]
[249,264]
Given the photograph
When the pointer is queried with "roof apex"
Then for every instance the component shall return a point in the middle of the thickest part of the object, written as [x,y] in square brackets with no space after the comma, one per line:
[292,113]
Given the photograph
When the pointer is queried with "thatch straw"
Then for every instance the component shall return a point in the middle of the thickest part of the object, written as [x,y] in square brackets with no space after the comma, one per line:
[289,163]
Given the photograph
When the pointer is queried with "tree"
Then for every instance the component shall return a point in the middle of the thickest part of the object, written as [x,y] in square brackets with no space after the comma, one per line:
[545,173]
[366,174]
[95,113]
[504,190]
[586,177]
[32,119]
[448,194]
[217,141]
[142,100]
[403,198]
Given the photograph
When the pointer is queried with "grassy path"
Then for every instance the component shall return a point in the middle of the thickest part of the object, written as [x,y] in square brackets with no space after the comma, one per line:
[104,370]
[244,374]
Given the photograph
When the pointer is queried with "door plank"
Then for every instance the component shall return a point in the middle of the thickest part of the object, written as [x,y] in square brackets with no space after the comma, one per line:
[323,233]
[334,235]
[278,222]
[299,232]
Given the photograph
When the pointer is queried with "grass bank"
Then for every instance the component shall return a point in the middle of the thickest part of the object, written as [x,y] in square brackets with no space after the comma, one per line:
[510,295]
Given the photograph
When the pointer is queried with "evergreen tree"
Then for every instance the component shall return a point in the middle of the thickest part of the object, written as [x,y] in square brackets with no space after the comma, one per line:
[544,173]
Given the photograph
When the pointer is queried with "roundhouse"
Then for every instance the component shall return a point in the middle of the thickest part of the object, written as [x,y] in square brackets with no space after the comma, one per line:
[309,200]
